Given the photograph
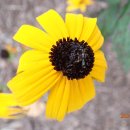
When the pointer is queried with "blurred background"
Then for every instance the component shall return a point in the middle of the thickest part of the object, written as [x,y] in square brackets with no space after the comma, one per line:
[110,110]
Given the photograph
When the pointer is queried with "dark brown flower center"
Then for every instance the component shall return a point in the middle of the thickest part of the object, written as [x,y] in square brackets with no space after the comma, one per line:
[75,59]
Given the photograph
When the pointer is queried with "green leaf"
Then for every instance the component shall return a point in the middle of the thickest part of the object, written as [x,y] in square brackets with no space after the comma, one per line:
[121,39]
[3,88]
[108,19]
[112,2]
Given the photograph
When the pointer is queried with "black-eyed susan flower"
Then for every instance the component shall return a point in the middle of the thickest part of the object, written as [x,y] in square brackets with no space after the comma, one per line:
[78,4]
[64,60]
[9,107]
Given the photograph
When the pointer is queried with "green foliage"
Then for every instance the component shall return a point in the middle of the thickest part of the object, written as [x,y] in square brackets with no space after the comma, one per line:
[121,39]
[115,24]
[108,19]
[3,88]
[113,1]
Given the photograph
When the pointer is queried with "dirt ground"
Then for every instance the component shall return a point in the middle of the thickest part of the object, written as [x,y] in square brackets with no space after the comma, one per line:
[102,113]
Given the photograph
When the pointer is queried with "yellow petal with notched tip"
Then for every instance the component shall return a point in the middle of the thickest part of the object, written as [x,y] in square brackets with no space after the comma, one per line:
[74,24]
[33,58]
[81,92]
[53,24]
[58,100]
[33,37]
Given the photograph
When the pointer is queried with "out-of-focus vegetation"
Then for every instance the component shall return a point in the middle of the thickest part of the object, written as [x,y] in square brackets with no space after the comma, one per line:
[115,25]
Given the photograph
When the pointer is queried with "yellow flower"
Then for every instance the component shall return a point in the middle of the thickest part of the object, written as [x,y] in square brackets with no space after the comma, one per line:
[78,4]
[64,60]
[9,107]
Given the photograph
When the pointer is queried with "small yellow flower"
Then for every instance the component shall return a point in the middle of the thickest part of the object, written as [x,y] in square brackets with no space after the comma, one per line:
[78,4]
[64,60]
[9,107]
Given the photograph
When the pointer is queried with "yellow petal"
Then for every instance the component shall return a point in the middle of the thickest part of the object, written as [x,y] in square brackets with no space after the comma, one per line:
[54,25]
[100,59]
[54,99]
[100,66]
[81,92]
[11,113]
[32,58]
[88,27]
[98,73]
[33,37]
[65,100]
[74,24]
[83,8]
[58,100]
[74,2]
[89,2]
[71,8]
[78,4]
[30,85]
[8,107]
[7,100]
[75,99]
[51,100]
[96,39]
[87,89]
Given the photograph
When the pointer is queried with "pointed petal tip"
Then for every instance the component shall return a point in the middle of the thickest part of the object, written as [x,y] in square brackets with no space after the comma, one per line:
[47,12]
[16,35]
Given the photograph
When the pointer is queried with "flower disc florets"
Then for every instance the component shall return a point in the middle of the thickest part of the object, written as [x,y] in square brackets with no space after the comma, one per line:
[74,58]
